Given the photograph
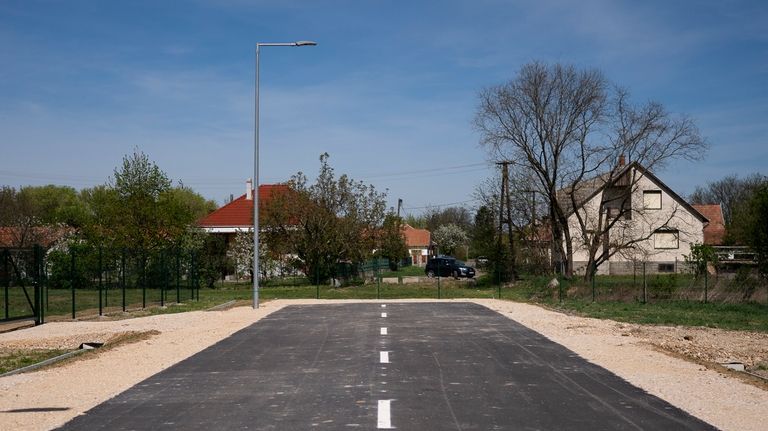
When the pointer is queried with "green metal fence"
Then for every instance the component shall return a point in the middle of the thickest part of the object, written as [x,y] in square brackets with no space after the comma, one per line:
[87,281]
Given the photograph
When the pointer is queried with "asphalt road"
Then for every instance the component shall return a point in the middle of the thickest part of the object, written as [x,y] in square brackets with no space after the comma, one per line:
[409,366]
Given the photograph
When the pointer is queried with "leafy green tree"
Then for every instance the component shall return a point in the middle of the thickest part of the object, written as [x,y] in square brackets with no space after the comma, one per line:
[53,204]
[701,255]
[750,226]
[392,243]
[483,232]
[329,222]
[449,237]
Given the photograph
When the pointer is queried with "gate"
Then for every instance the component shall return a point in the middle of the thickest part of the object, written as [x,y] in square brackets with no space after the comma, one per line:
[21,280]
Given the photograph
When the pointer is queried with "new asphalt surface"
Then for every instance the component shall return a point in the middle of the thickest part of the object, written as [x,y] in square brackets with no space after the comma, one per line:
[436,366]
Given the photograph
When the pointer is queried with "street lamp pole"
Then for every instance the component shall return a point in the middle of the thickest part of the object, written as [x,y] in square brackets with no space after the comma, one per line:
[256,168]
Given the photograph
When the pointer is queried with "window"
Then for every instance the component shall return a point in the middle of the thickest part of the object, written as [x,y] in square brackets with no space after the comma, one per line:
[666,267]
[666,239]
[652,199]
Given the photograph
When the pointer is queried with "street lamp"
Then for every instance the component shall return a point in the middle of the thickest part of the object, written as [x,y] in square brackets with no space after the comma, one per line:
[256,168]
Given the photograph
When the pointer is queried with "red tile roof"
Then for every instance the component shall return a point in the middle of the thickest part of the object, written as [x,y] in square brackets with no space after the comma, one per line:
[416,237]
[714,231]
[239,212]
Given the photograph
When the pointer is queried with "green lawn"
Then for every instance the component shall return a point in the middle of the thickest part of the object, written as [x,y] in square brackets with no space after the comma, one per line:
[619,298]
[406,271]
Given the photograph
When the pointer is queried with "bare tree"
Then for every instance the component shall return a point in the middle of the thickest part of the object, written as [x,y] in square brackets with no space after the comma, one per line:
[567,127]
[728,192]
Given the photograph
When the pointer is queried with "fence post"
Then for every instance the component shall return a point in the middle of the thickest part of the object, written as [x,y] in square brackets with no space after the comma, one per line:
[6,269]
[378,281]
[162,278]
[178,275]
[706,280]
[645,286]
[594,274]
[38,295]
[101,287]
[190,274]
[72,278]
[143,279]
[317,281]
[122,277]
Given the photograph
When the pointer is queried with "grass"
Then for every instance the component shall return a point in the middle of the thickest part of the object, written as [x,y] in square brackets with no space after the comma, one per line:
[14,359]
[407,271]
[618,298]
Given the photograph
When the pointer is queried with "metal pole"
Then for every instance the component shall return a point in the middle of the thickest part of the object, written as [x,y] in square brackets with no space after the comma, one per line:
[178,276]
[706,281]
[593,285]
[6,258]
[72,278]
[163,278]
[101,286]
[256,189]
[378,281]
[143,279]
[438,279]
[122,277]
[645,295]
[256,168]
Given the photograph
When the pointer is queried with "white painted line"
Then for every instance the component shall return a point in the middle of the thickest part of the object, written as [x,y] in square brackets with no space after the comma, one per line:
[384,357]
[384,419]
[383,305]
[383,331]
[383,314]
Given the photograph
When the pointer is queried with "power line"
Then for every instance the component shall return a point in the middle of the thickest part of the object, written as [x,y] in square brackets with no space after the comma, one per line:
[441,205]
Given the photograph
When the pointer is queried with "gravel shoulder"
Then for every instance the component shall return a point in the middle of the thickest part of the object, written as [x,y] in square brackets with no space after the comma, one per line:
[650,357]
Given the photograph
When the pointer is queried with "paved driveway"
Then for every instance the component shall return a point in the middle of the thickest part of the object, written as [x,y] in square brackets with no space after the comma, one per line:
[409,366]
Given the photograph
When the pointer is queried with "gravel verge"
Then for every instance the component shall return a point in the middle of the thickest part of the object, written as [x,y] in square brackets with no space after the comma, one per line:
[50,397]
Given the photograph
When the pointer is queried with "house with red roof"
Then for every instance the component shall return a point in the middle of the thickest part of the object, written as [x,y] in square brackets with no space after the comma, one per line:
[417,241]
[238,214]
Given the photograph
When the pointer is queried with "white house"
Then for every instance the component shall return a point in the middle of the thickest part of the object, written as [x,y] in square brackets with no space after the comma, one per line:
[641,222]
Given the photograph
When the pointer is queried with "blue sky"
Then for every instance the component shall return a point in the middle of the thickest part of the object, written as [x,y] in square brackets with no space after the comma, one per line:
[389,92]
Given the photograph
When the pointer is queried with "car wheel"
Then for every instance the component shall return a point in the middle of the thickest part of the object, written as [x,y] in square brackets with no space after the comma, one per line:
[430,273]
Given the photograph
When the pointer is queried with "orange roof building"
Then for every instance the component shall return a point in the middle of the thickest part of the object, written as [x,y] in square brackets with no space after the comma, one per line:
[714,231]
[417,241]
[238,214]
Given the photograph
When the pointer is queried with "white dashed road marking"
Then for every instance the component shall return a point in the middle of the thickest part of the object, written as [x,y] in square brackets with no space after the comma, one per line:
[384,357]
[383,331]
[383,314]
[383,305]
[384,422]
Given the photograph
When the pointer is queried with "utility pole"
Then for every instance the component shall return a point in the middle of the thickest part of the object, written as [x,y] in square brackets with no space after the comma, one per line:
[505,217]
[399,204]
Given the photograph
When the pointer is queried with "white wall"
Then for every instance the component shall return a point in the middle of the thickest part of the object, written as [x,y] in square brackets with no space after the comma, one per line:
[642,225]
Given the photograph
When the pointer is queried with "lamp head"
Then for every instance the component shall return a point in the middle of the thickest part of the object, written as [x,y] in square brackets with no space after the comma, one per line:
[305,43]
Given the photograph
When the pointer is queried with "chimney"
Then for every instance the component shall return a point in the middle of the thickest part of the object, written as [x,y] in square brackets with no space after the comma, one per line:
[249,189]
[622,161]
